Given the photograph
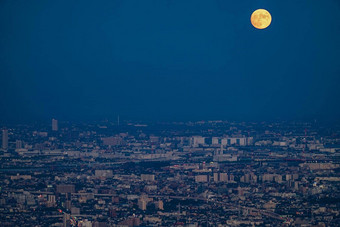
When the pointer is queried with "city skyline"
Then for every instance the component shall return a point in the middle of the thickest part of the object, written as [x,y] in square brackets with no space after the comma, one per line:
[190,174]
[187,113]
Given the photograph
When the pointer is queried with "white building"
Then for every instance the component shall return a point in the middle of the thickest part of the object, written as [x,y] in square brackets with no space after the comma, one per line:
[197,140]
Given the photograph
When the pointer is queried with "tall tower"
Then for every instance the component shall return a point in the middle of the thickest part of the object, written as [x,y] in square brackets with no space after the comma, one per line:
[4,139]
[54,125]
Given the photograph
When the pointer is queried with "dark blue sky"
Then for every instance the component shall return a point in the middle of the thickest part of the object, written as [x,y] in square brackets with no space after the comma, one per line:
[168,59]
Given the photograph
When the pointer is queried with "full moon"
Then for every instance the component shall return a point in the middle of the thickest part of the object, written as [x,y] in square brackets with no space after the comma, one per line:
[260,18]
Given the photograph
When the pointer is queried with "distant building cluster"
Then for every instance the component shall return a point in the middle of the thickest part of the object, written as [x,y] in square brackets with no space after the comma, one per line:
[206,173]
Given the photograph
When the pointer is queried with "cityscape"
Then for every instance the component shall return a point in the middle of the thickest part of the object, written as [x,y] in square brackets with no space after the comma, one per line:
[204,173]
[179,113]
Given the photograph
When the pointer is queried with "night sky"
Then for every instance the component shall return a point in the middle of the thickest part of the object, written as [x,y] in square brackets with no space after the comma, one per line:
[169,60]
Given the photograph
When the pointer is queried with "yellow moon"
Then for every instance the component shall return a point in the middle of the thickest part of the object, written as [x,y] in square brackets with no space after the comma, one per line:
[260,18]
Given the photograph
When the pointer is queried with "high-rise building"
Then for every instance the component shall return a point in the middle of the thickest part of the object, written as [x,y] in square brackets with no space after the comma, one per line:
[54,125]
[195,141]
[51,198]
[216,177]
[221,177]
[18,144]
[142,204]
[224,177]
[51,201]
[4,139]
